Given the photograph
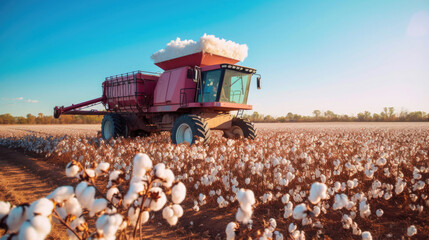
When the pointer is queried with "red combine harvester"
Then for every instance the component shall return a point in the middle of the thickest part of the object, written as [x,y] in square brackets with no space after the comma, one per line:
[194,94]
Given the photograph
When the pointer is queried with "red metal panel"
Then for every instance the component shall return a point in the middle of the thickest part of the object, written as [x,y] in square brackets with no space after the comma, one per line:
[201,59]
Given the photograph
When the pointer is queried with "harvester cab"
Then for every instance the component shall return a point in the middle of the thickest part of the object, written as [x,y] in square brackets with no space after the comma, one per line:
[195,94]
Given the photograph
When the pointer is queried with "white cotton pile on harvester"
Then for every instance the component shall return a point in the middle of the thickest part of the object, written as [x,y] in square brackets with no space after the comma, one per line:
[207,44]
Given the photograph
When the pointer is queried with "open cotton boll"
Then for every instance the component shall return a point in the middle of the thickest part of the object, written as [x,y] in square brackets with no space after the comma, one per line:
[4,209]
[243,216]
[87,197]
[172,221]
[133,214]
[78,225]
[102,168]
[411,231]
[43,207]
[90,172]
[62,194]
[292,227]
[342,201]
[178,193]
[167,212]
[366,235]
[80,188]
[72,169]
[145,217]
[42,224]
[379,212]
[133,193]
[300,211]
[245,197]
[168,178]
[108,225]
[230,230]
[28,232]
[16,217]
[98,205]
[159,170]
[114,195]
[114,175]
[73,207]
[142,160]
[178,210]
[157,203]
[317,192]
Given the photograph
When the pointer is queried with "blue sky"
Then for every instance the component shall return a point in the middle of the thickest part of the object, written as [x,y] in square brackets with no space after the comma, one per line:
[344,56]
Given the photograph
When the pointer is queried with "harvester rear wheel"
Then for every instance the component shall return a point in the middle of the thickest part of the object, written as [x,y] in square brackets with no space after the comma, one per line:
[241,128]
[113,126]
[188,127]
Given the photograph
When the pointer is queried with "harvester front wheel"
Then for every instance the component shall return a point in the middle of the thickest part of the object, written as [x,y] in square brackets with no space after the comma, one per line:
[188,127]
[112,126]
[241,128]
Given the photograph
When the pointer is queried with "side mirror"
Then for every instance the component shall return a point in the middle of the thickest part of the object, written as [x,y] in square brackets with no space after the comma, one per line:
[196,75]
[258,82]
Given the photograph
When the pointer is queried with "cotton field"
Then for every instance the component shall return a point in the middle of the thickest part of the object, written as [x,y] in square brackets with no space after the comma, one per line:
[294,181]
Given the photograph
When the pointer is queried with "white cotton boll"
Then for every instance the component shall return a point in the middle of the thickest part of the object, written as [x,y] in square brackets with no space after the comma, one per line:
[300,211]
[243,216]
[411,231]
[90,172]
[366,235]
[28,232]
[292,227]
[364,209]
[98,205]
[42,224]
[62,194]
[337,186]
[316,211]
[381,162]
[230,230]
[16,217]
[72,169]
[133,214]
[173,220]
[4,209]
[169,178]
[246,197]
[42,207]
[247,181]
[178,193]
[145,217]
[142,160]
[167,212]
[73,207]
[273,223]
[133,193]
[102,168]
[159,170]
[114,175]
[111,192]
[317,192]
[158,204]
[379,212]
[77,224]
[178,210]
[285,198]
[80,188]
[342,201]
[87,197]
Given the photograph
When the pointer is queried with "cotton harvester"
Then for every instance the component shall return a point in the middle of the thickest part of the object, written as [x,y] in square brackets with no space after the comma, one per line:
[195,94]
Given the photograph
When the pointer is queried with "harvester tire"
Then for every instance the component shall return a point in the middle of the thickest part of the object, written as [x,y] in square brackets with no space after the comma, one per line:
[241,128]
[187,128]
[113,126]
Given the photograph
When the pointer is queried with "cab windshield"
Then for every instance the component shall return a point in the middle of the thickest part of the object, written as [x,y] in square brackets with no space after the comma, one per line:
[225,85]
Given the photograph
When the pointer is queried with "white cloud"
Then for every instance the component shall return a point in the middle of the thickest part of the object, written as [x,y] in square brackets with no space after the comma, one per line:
[419,24]
[19,99]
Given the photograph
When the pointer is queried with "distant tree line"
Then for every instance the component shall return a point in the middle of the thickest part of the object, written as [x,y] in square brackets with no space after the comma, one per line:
[387,115]
[42,119]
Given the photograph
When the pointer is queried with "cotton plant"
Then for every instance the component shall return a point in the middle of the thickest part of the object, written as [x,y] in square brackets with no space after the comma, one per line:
[119,209]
